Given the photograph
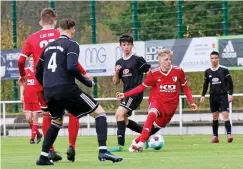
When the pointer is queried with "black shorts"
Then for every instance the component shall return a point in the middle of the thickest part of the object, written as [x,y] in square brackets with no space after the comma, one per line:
[70,98]
[219,103]
[131,103]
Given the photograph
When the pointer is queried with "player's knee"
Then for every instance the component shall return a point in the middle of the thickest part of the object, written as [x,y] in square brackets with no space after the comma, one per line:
[153,110]
[119,116]
[215,116]
[225,116]
[28,118]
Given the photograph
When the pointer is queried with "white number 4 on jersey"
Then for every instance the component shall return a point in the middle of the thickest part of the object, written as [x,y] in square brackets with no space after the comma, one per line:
[52,64]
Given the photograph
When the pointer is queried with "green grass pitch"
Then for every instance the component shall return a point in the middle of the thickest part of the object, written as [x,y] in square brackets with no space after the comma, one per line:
[180,152]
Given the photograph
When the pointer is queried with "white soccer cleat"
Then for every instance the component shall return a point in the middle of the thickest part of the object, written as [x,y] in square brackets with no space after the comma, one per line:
[130,149]
[138,147]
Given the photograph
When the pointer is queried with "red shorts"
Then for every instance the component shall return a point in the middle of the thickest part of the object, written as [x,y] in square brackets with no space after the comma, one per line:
[32,107]
[40,96]
[166,112]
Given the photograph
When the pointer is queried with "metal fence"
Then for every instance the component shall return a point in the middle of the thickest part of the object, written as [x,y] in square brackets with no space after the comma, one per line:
[105,21]
[3,105]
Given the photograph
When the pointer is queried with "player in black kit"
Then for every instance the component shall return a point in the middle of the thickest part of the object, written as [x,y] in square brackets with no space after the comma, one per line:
[129,70]
[56,71]
[221,93]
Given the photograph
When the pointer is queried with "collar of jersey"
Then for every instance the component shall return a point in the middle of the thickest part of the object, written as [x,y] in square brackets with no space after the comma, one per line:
[64,36]
[215,69]
[127,57]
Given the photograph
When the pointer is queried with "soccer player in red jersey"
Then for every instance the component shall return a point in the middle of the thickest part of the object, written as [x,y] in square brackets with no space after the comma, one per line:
[165,82]
[31,104]
[34,45]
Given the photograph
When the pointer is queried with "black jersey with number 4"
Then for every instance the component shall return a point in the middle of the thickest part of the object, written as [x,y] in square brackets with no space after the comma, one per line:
[132,70]
[58,64]
[220,81]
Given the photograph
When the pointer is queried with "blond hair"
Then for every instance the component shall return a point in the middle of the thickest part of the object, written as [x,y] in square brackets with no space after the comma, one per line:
[165,51]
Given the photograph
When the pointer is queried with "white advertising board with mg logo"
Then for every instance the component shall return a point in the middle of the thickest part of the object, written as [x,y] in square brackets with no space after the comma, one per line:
[100,59]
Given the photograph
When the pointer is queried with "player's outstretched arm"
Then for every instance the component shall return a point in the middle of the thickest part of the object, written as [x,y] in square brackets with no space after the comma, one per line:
[135,91]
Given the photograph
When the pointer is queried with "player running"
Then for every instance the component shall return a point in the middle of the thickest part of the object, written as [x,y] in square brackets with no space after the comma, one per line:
[57,70]
[129,69]
[165,82]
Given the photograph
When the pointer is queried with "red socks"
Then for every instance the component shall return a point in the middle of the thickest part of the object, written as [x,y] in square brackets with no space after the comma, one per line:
[46,123]
[34,131]
[73,127]
[31,124]
[147,127]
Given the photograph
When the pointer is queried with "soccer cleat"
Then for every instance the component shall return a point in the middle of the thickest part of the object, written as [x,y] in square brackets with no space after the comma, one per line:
[229,139]
[52,155]
[119,148]
[108,156]
[215,139]
[131,149]
[38,138]
[32,141]
[138,147]
[70,153]
[43,161]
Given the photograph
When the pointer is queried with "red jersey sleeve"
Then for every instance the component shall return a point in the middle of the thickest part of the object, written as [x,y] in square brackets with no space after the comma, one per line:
[149,80]
[26,52]
[183,79]
[27,48]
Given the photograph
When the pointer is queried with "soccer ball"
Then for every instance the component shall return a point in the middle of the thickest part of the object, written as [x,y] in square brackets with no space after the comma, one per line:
[156,141]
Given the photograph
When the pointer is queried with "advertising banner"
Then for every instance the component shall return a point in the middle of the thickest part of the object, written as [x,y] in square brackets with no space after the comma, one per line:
[191,54]
[197,55]
[100,59]
[231,51]
[9,64]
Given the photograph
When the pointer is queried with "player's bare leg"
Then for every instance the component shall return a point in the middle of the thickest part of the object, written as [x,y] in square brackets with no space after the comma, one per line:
[225,115]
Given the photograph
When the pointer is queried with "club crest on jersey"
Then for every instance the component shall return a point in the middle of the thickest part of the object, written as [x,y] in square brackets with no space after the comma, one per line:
[125,71]
[174,78]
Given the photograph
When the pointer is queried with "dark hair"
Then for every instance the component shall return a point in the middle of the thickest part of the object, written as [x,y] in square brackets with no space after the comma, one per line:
[48,16]
[214,53]
[126,38]
[66,24]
